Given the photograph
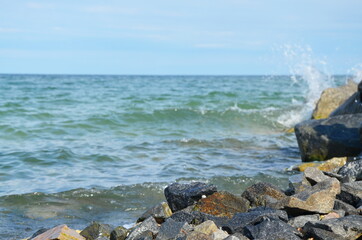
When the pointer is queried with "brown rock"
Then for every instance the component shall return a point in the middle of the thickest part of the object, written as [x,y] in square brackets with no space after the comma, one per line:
[263,194]
[208,227]
[198,236]
[61,232]
[314,175]
[331,98]
[222,204]
[318,199]
[330,216]
[331,165]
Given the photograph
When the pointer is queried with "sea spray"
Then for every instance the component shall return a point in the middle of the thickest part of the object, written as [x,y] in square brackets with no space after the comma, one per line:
[308,73]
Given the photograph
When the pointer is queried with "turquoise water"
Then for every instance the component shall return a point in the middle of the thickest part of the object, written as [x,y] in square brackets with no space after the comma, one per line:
[79,148]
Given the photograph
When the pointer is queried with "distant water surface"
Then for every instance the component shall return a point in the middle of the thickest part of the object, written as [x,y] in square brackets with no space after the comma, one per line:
[79,148]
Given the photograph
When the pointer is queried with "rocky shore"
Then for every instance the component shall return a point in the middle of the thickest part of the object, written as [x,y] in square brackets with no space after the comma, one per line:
[322,202]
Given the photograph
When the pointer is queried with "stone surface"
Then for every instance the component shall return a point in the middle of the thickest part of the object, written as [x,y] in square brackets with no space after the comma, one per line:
[327,138]
[160,212]
[263,194]
[331,165]
[148,225]
[240,220]
[198,236]
[179,196]
[173,230]
[298,183]
[347,208]
[237,236]
[97,231]
[219,235]
[197,218]
[300,221]
[319,199]
[351,193]
[351,171]
[208,227]
[321,234]
[352,105]
[314,175]
[119,233]
[332,98]
[349,227]
[331,215]
[61,232]
[271,229]
[222,204]
[40,231]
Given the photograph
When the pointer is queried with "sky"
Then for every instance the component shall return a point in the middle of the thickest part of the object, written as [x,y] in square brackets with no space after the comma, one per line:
[192,37]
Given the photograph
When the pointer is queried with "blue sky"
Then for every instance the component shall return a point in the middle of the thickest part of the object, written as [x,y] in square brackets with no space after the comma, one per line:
[179,37]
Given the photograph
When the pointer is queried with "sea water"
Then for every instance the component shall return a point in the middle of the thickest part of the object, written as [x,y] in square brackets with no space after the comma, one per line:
[76,149]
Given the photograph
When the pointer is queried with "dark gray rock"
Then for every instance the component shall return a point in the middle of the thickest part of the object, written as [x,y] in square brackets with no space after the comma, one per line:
[146,235]
[197,218]
[263,194]
[240,220]
[148,225]
[324,139]
[271,229]
[321,234]
[160,212]
[173,230]
[97,231]
[347,208]
[352,105]
[298,183]
[314,175]
[119,233]
[300,221]
[351,193]
[183,216]
[179,196]
[351,171]
[349,227]
[40,231]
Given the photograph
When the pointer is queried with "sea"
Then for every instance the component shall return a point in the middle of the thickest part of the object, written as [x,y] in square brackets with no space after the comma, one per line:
[81,148]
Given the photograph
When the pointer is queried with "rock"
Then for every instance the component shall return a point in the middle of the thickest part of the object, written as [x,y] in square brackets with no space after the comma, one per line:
[320,234]
[330,215]
[173,230]
[179,196]
[300,221]
[240,220]
[351,193]
[330,165]
[198,236]
[298,183]
[61,232]
[160,212]
[314,175]
[219,235]
[263,194]
[351,106]
[147,235]
[352,171]
[97,231]
[237,236]
[207,227]
[197,218]
[119,233]
[347,208]
[271,229]
[319,199]
[148,225]
[348,227]
[40,231]
[331,98]
[222,204]
[328,138]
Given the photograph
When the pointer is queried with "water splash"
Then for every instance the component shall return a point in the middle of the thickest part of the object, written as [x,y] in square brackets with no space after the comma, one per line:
[356,73]
[310,74]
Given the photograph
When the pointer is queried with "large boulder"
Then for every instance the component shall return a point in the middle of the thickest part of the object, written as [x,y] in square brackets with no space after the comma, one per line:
[180,196]
[332,98]
[327,138]
[222,204]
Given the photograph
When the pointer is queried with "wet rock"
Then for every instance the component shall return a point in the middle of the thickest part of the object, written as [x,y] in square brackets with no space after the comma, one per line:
[97,231]
[319,199]
[173,230]
[271,229]
[159,212]
[327,138]
[348,227]
[207,227]
[61,232]
[119,233]
[240,220]
[351,193]
[300,221]
[179,196]
[332,98]
[351,171]
[263,194]
[198,236]
[352,105]
[347,208]
[222,204]
[148,225]
[314,175]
